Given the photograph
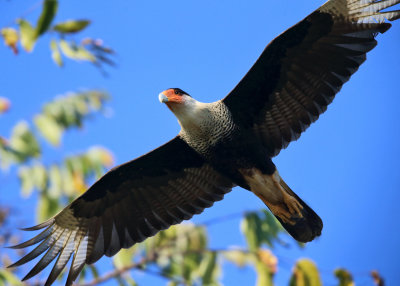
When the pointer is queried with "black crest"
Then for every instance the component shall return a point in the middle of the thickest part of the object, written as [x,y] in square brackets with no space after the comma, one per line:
[180,91]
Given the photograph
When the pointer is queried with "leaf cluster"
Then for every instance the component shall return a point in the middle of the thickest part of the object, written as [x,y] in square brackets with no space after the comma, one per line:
[27,35]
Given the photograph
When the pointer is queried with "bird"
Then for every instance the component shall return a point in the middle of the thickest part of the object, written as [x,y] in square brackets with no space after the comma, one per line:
[221,145]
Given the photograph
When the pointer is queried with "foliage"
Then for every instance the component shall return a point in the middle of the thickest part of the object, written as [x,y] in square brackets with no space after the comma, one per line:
[345,277]
[62,41]
[305,273]
[67,111]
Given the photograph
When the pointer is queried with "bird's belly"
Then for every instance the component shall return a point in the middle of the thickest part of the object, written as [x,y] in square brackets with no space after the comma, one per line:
[231,161]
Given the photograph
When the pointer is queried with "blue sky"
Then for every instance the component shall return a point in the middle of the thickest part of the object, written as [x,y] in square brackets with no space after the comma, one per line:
[345,166]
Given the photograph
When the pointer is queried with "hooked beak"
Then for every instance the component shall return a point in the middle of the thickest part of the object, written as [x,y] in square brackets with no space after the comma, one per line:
[163,98]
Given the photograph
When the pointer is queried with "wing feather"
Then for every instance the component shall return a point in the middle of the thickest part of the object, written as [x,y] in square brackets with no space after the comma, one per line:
[42,247]
[130,203]
[34,240]
[52,252]
[62,259]
[78,261]
[299,72]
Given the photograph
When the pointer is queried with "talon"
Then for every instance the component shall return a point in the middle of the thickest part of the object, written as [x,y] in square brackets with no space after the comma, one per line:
[282,214]
[293,205]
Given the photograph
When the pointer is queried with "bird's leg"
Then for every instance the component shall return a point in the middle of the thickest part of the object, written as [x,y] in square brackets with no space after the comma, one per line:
[291,203]
[279,211]
[269,189]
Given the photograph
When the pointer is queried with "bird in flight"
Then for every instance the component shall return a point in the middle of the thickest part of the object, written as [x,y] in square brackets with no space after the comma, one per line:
[221,145]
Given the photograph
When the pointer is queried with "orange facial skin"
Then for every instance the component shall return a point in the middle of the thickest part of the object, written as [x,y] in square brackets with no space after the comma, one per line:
[172,97]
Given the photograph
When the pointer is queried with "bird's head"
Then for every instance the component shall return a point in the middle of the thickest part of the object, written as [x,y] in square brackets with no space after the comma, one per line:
[175,98]
[188,110]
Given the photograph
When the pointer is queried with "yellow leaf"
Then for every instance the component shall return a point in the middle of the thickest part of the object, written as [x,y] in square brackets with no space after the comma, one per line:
[26,179]
[55,53]
[75,52]
[305,273]
[239,257]
[268,259]
[11,37]
[79,183]
[28,35]
[49,128]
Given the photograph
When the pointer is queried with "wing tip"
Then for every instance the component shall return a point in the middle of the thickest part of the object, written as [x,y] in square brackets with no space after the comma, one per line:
[39,226]
[384,27]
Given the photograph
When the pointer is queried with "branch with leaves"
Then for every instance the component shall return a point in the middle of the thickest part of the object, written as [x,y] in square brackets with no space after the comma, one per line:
[62,43]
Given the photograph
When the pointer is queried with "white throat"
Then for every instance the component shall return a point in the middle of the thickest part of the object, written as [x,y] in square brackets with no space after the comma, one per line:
[192,115]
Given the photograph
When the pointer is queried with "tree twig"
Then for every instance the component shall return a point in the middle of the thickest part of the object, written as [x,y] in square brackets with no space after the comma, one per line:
[120,271]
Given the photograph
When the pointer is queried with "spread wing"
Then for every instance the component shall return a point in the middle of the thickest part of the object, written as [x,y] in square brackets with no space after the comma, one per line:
[128,204]
[300,71]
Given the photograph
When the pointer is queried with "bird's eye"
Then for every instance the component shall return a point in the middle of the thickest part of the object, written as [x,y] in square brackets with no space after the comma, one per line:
[178,92]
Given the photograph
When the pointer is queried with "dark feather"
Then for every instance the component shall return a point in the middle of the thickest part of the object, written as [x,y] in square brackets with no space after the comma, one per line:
[127,205]
[299,72]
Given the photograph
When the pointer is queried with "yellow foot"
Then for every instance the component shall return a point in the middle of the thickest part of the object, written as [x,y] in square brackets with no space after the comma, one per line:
[292,204]
[282,213]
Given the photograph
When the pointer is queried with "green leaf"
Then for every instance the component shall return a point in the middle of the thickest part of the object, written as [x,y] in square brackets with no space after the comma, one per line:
[49,128]
[27,181]
[65,112]
[28,35]
[23,142]
[344,277]
[266,266]
[191,262]
[260,227]
[56,182]
[209,269]
[9,278]
[270,228]
[98,158]
[71,26]
[68,181]
[40,176]
[46,208]
[250,228]
[48,13]
[305,273]
[32,177]
[55,53]
[130,281]
[264,274]
[75,52]
[7,157]
[124,257]
[239,257]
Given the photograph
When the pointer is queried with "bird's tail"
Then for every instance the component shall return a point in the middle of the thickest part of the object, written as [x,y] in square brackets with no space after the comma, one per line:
[306,227]
[296,216]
